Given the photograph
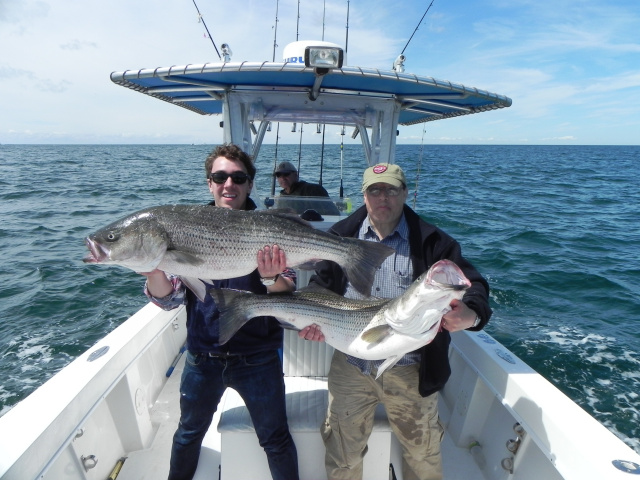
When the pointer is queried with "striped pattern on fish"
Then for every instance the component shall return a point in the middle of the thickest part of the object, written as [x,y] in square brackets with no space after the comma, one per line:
[211,243]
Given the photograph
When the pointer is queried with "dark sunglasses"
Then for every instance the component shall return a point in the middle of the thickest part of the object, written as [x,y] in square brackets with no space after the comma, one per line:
[283,174]
[239,178]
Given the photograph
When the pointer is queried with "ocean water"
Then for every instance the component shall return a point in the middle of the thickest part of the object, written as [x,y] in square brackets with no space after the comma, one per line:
[555,229]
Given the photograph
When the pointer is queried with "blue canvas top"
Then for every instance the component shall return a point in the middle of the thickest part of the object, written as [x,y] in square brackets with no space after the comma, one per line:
[201,88]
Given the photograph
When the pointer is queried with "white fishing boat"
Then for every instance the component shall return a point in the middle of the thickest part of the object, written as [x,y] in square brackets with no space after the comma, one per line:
[112,412]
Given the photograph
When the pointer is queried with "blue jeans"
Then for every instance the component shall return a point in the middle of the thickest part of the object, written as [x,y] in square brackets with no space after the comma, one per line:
[258,378]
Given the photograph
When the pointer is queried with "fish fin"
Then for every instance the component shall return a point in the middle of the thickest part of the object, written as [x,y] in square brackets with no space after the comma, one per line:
[376,335]
[232,315]
[186,258]
[197,286]
[363,261]
[387,364]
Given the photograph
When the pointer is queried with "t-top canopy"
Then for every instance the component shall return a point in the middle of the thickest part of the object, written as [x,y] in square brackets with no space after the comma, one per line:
[202,88]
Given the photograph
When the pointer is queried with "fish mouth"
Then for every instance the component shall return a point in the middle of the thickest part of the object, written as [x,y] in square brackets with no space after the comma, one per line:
[447,275]
[97,253]
[451,286]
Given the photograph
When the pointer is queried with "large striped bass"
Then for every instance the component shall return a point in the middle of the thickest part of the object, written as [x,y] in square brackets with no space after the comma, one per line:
[372,329]
[210,243]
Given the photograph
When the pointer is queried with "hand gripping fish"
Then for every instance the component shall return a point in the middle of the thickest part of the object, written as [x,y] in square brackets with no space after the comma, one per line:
[210,243]
[372,329]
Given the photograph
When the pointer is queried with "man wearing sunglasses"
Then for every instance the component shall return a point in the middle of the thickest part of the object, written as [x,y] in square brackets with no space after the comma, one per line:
[249,363]
[409,389]
[292,186]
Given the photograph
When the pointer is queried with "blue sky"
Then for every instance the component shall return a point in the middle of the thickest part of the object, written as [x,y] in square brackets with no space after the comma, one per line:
[572,68]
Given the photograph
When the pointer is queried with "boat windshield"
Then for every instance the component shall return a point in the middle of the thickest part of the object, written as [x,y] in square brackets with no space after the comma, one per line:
[310,208]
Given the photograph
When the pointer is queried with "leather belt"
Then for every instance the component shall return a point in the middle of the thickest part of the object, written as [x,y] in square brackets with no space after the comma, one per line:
[221,355]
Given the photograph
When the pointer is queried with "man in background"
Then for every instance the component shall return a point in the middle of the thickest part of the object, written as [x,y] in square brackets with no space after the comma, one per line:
[292,186]
[290,182]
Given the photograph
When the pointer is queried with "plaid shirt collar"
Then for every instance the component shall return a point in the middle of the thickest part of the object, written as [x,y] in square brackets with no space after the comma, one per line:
[367,232]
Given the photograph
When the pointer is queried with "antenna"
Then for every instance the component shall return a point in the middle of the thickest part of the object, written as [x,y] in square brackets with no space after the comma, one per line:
[275,32]
[346,41]
[324,11]
[298,21]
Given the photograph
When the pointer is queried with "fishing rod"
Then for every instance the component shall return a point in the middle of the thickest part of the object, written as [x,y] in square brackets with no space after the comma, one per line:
[324,127]
[201,18]
[300,148]
[275,163]
[415,192]
[417,26]
[341,160]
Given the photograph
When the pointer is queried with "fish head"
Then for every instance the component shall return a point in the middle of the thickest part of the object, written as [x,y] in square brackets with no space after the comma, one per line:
[137,242]
[419,310]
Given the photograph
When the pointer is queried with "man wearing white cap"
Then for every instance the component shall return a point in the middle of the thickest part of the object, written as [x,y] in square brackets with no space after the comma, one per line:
[409,389]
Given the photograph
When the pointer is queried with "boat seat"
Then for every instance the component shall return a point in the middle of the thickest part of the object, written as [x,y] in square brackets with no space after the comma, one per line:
[306,366]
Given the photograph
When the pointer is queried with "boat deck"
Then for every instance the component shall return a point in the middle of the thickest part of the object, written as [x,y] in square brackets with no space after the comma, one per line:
[153,463]
[115,400]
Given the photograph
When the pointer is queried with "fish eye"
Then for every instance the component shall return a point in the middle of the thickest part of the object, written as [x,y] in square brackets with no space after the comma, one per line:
[112,236]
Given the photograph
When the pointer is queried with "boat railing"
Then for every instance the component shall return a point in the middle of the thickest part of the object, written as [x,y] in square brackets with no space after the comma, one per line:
[96,409]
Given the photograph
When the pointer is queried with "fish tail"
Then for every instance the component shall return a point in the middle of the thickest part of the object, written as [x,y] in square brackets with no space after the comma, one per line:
[232,315]
[387,364]
[364,259]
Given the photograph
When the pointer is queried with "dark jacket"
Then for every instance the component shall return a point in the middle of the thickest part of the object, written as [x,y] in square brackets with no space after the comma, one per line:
[257,335]
[427,244]
[306,189]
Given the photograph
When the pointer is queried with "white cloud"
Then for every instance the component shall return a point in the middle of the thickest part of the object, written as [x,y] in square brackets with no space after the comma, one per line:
[571,70]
